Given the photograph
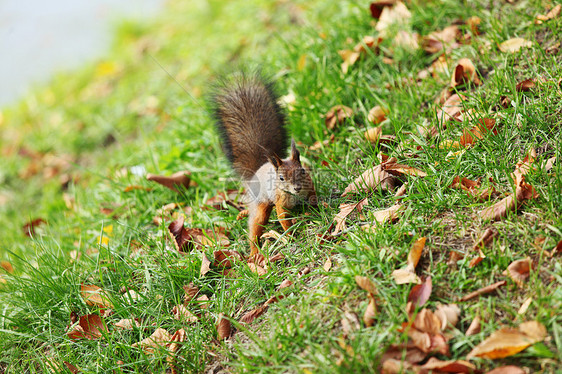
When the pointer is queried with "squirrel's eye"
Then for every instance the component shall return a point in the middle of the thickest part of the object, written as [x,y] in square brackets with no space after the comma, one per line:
[281,177]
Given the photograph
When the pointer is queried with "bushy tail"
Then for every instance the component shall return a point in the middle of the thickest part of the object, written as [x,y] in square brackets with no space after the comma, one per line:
[249,120]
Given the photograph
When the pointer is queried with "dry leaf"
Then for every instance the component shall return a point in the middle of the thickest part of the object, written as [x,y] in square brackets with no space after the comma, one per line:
[377,114]
[366,284]
[178,179]
[420,292]
[508,369]
[456,366]
[191,291]
[451,109]
[181,313]
[257,269]
[225,258]
[406,40]
[127,324]
[407,352]
[371,179]
[441,40]
[30,227]
[465,72]
[523,308]
[89,327]
[407,274]
[376,7]
[448,315]
[337,115]
[519,271]
[474,327]
[508,341]
[386,215]
[173,346]
[549,164]
[514,45]
[345,210]
[397,14]
[400,169]
[370,312]
[373,134]
[205,265]
[328,264]
[553,13]
[6,265]
[224,327]
[158,339]
[523,167]
[94,295]
[483,290]
[286,283]
[500,209]
[253,314]
[525,85]
[477,132]
[474,23]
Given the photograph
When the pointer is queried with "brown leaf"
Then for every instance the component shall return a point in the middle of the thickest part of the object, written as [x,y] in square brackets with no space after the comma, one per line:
[456,366]
[508,341]
[337,115]
[253,314]
[483,290]
[29,228]
[427,321]
[441,40]
[376,7]
[345,210]
[181,313]
[519,271]
[366,284]
[420,292]
[487,237]
[386,215]
[508,369]
[6,265]
[370,312]
[286,283]
[373,134]
[465,72]
[257,269]
[500,209]
[224,258]
[371,179]
[514,45]
[451,109]
[525,85]
[407,274]
[180,178]
[397,14]
[127,324]
[407,352]
[448,315]
[553,13]
[191,291]
[205,265]
[158,339]
[94,295]
[224,327]
[474,327]
[549,164]
[399,169]
[328,264]
[477,132]
[173,346]
[377,114]
[89,327]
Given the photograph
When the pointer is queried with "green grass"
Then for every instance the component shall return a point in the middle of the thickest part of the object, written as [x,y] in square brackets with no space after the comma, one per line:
[125,113]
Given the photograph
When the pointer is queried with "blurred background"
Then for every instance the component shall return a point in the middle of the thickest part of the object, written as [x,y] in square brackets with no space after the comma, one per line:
[39,38]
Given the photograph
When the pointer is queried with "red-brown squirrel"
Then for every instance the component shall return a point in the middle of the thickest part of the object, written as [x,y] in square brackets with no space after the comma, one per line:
[253,129]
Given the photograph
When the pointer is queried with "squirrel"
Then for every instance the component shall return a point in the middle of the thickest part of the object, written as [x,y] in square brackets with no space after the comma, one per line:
[254,135]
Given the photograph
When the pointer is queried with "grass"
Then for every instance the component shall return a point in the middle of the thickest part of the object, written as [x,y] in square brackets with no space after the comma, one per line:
[103,127]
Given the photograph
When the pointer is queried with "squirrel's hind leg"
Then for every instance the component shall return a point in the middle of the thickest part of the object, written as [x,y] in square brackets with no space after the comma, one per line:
[259,215]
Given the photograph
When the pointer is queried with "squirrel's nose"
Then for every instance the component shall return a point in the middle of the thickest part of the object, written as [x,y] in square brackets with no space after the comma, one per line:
[298,188]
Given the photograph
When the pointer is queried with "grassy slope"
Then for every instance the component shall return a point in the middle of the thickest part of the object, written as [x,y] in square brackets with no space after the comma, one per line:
[144,119]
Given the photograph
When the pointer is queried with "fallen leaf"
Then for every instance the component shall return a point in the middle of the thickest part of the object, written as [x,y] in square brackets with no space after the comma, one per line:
[523,167]
[158,339]
[191,291]
[441,40]
[519,271]
[373,134]
[477,132]
[173,182]
[370,312]
[377,114]
[181,313]
[260,271]
[420,292]
[89,327]
[328,264]
[371,179]
[549,164]
[376,7]
[553,13]
[400,169]
[286,283]
[407,40]
[474,23]
[407,274]
[94,295]
[205,265]
[30,227]
[448,315]
[508,369]
[508,341]
[451,109]
[253,314]
[225,258]
[407,352]
[173,346]
[396,14]
[514,45]
[523,308]
[465,72]
[456,366]
[345,210]
[525,85]
[6,265]
[474,327]
[487,237]
[500,209]
[127,324]
[337,115]
[224,327]
[483,290]
[386,215]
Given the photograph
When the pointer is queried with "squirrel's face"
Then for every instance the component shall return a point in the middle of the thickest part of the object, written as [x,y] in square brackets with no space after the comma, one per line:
[292,178]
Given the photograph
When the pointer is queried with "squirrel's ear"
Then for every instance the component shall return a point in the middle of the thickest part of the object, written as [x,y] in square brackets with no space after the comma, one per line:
[275,160]
[295,155]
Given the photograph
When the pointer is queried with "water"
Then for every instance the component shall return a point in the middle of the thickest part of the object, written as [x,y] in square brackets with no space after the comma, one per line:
[41,37]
